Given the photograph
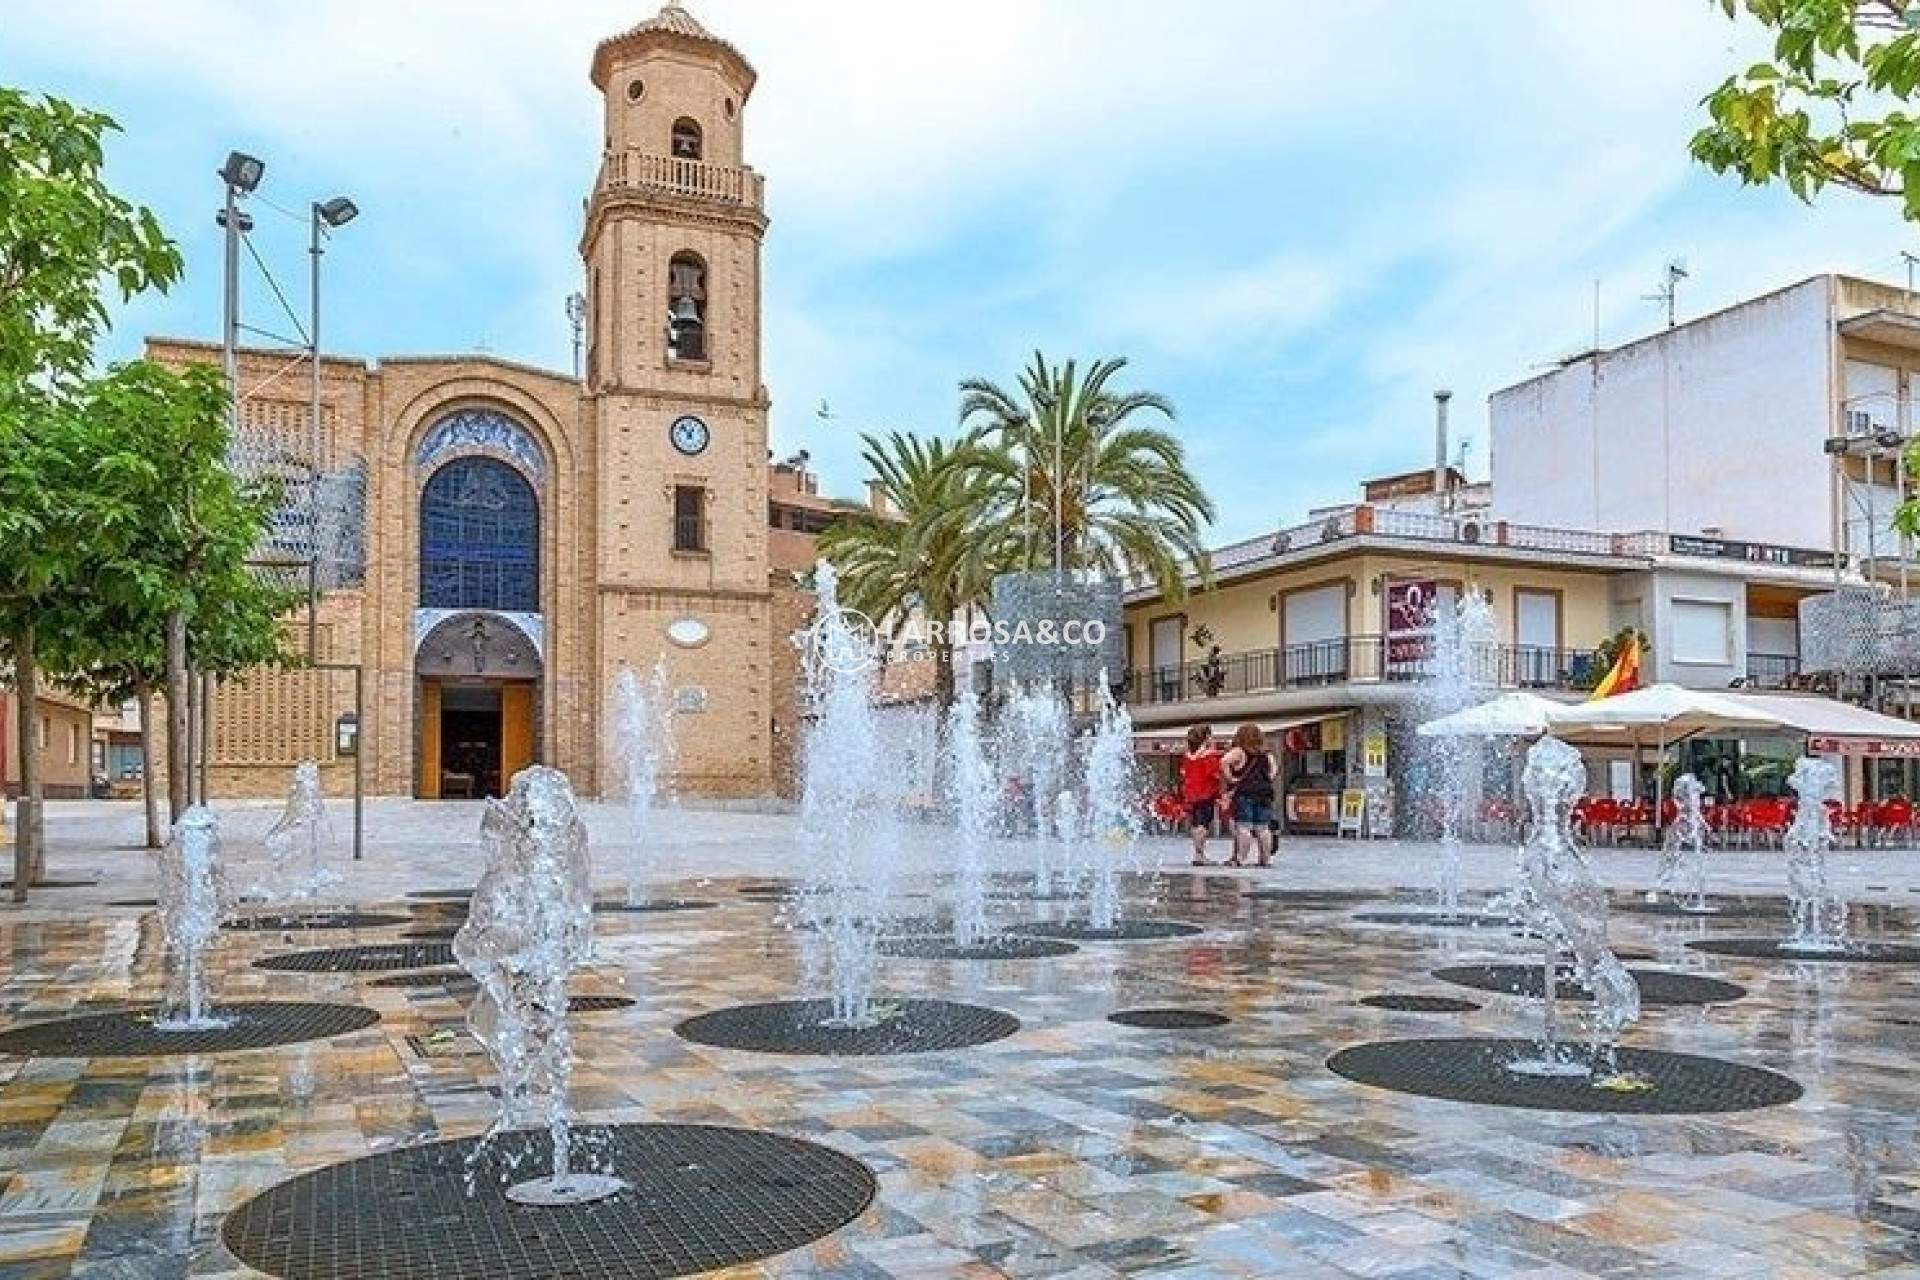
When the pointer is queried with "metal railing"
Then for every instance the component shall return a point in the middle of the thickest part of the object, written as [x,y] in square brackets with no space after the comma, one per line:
[1773,671]
[1365,659]
[676,176]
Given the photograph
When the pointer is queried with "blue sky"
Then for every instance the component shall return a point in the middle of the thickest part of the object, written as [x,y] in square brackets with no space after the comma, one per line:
[1295,220]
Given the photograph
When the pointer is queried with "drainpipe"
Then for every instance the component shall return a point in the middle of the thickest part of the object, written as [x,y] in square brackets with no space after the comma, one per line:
[1440,399]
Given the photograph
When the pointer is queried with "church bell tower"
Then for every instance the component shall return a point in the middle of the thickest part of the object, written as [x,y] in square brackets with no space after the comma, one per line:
[673,386]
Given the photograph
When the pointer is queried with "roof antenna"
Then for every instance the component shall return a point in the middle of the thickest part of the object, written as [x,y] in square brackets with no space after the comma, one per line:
[1666,291]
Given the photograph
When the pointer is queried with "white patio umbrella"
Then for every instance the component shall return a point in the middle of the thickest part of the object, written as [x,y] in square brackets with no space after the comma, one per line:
[1658,715]
[1511,715]
[1665,713]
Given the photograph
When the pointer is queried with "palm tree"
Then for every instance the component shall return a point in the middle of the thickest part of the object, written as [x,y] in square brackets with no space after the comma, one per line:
[1070,481]
[911,560]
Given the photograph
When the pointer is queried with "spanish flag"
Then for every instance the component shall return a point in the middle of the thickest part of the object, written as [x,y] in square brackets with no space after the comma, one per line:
[1624,676]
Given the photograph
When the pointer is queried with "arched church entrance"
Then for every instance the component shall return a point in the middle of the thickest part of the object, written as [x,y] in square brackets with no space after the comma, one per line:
[479,701]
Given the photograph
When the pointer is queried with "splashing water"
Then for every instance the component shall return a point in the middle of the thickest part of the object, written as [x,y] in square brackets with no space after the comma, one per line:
[1683,854]
[1033,754]
[1454,682]
[848,804]
[1113,825]
[530,923]
[1562,900]
[971,797]
[298,843]
[644,750]
[193,896]
[1819,912]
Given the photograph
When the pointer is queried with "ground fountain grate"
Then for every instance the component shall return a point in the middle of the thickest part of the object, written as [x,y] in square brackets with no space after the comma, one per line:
[1475,1070]
[288,921]
[425,978]
[1777,949]
[1657,986]
[53,884]
[435,895]
[1723,907]
[432,932]
[1436,919]
[135,902]
[257,1024]
[799,1026]
[1327,898]
[654,904]
[598,1004]
[701,1198]
[388,955]
[1169,1019]
[1119,931]
[1408,1002]
[988,949]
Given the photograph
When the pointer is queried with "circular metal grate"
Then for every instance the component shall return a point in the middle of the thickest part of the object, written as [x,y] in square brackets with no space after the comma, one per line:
[425,978]
[1656,985]
[1169,1019]
[132,1034]
[598,1004]
[135,902]
[387,955]
[439,894]
[1474,1070]
[432,932]
[1123,931]
[799,1026]
[1726,908]
[991,949]
[1437,919]
[656,904]
[1314,897]
[780,890]
[701,1198]
[53,884]
[1410,1003]
[1777,949]
[291,920]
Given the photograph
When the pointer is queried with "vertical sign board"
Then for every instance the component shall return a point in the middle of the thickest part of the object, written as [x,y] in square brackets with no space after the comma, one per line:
[1410,606]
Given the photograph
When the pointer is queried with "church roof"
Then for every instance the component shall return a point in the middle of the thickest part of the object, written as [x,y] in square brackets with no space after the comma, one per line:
[674,23]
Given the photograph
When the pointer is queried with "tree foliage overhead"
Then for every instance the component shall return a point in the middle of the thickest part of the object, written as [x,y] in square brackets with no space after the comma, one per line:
[63,232]
[1829,107]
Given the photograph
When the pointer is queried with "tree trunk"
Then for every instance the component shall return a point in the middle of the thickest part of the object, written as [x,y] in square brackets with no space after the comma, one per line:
[943,678]
[179,717]
[149,797]
[27,856]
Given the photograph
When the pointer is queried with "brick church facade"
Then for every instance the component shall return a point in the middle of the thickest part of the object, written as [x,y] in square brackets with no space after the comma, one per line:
[497,542]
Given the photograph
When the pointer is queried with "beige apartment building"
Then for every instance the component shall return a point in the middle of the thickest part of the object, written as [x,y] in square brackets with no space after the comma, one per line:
[1320,634]
[497,542]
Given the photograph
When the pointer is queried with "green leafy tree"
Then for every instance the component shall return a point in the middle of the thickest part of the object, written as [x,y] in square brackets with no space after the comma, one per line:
[913,560]
[65,238]
[1071,475]
[1828,108]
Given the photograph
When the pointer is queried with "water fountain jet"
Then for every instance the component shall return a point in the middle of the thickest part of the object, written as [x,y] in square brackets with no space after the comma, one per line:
[529,925]
[192,896]
[644,750]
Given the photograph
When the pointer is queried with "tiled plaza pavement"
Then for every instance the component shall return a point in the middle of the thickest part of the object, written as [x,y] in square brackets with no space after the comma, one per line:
[1074,1148]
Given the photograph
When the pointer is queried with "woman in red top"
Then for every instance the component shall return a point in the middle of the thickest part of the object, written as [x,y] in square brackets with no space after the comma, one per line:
[1200,787]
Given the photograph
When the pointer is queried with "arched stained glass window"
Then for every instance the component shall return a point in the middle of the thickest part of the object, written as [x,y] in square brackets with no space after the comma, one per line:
[479,538]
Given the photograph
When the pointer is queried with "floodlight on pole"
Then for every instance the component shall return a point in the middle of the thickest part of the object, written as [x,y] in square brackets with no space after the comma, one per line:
[242,172]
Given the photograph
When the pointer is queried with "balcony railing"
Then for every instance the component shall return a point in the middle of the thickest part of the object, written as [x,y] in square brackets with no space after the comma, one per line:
[675,176]
[1355,660]
[1773,671]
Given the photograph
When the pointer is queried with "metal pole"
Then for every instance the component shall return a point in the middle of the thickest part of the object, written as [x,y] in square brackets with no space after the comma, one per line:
[359,758]
[1440,399]
[206,730]
[230,328]
[313,442]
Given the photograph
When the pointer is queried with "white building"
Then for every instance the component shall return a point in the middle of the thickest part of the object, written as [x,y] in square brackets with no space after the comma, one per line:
[1718,428]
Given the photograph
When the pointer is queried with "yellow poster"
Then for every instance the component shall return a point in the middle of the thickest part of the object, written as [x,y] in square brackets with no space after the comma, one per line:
[1373,754]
